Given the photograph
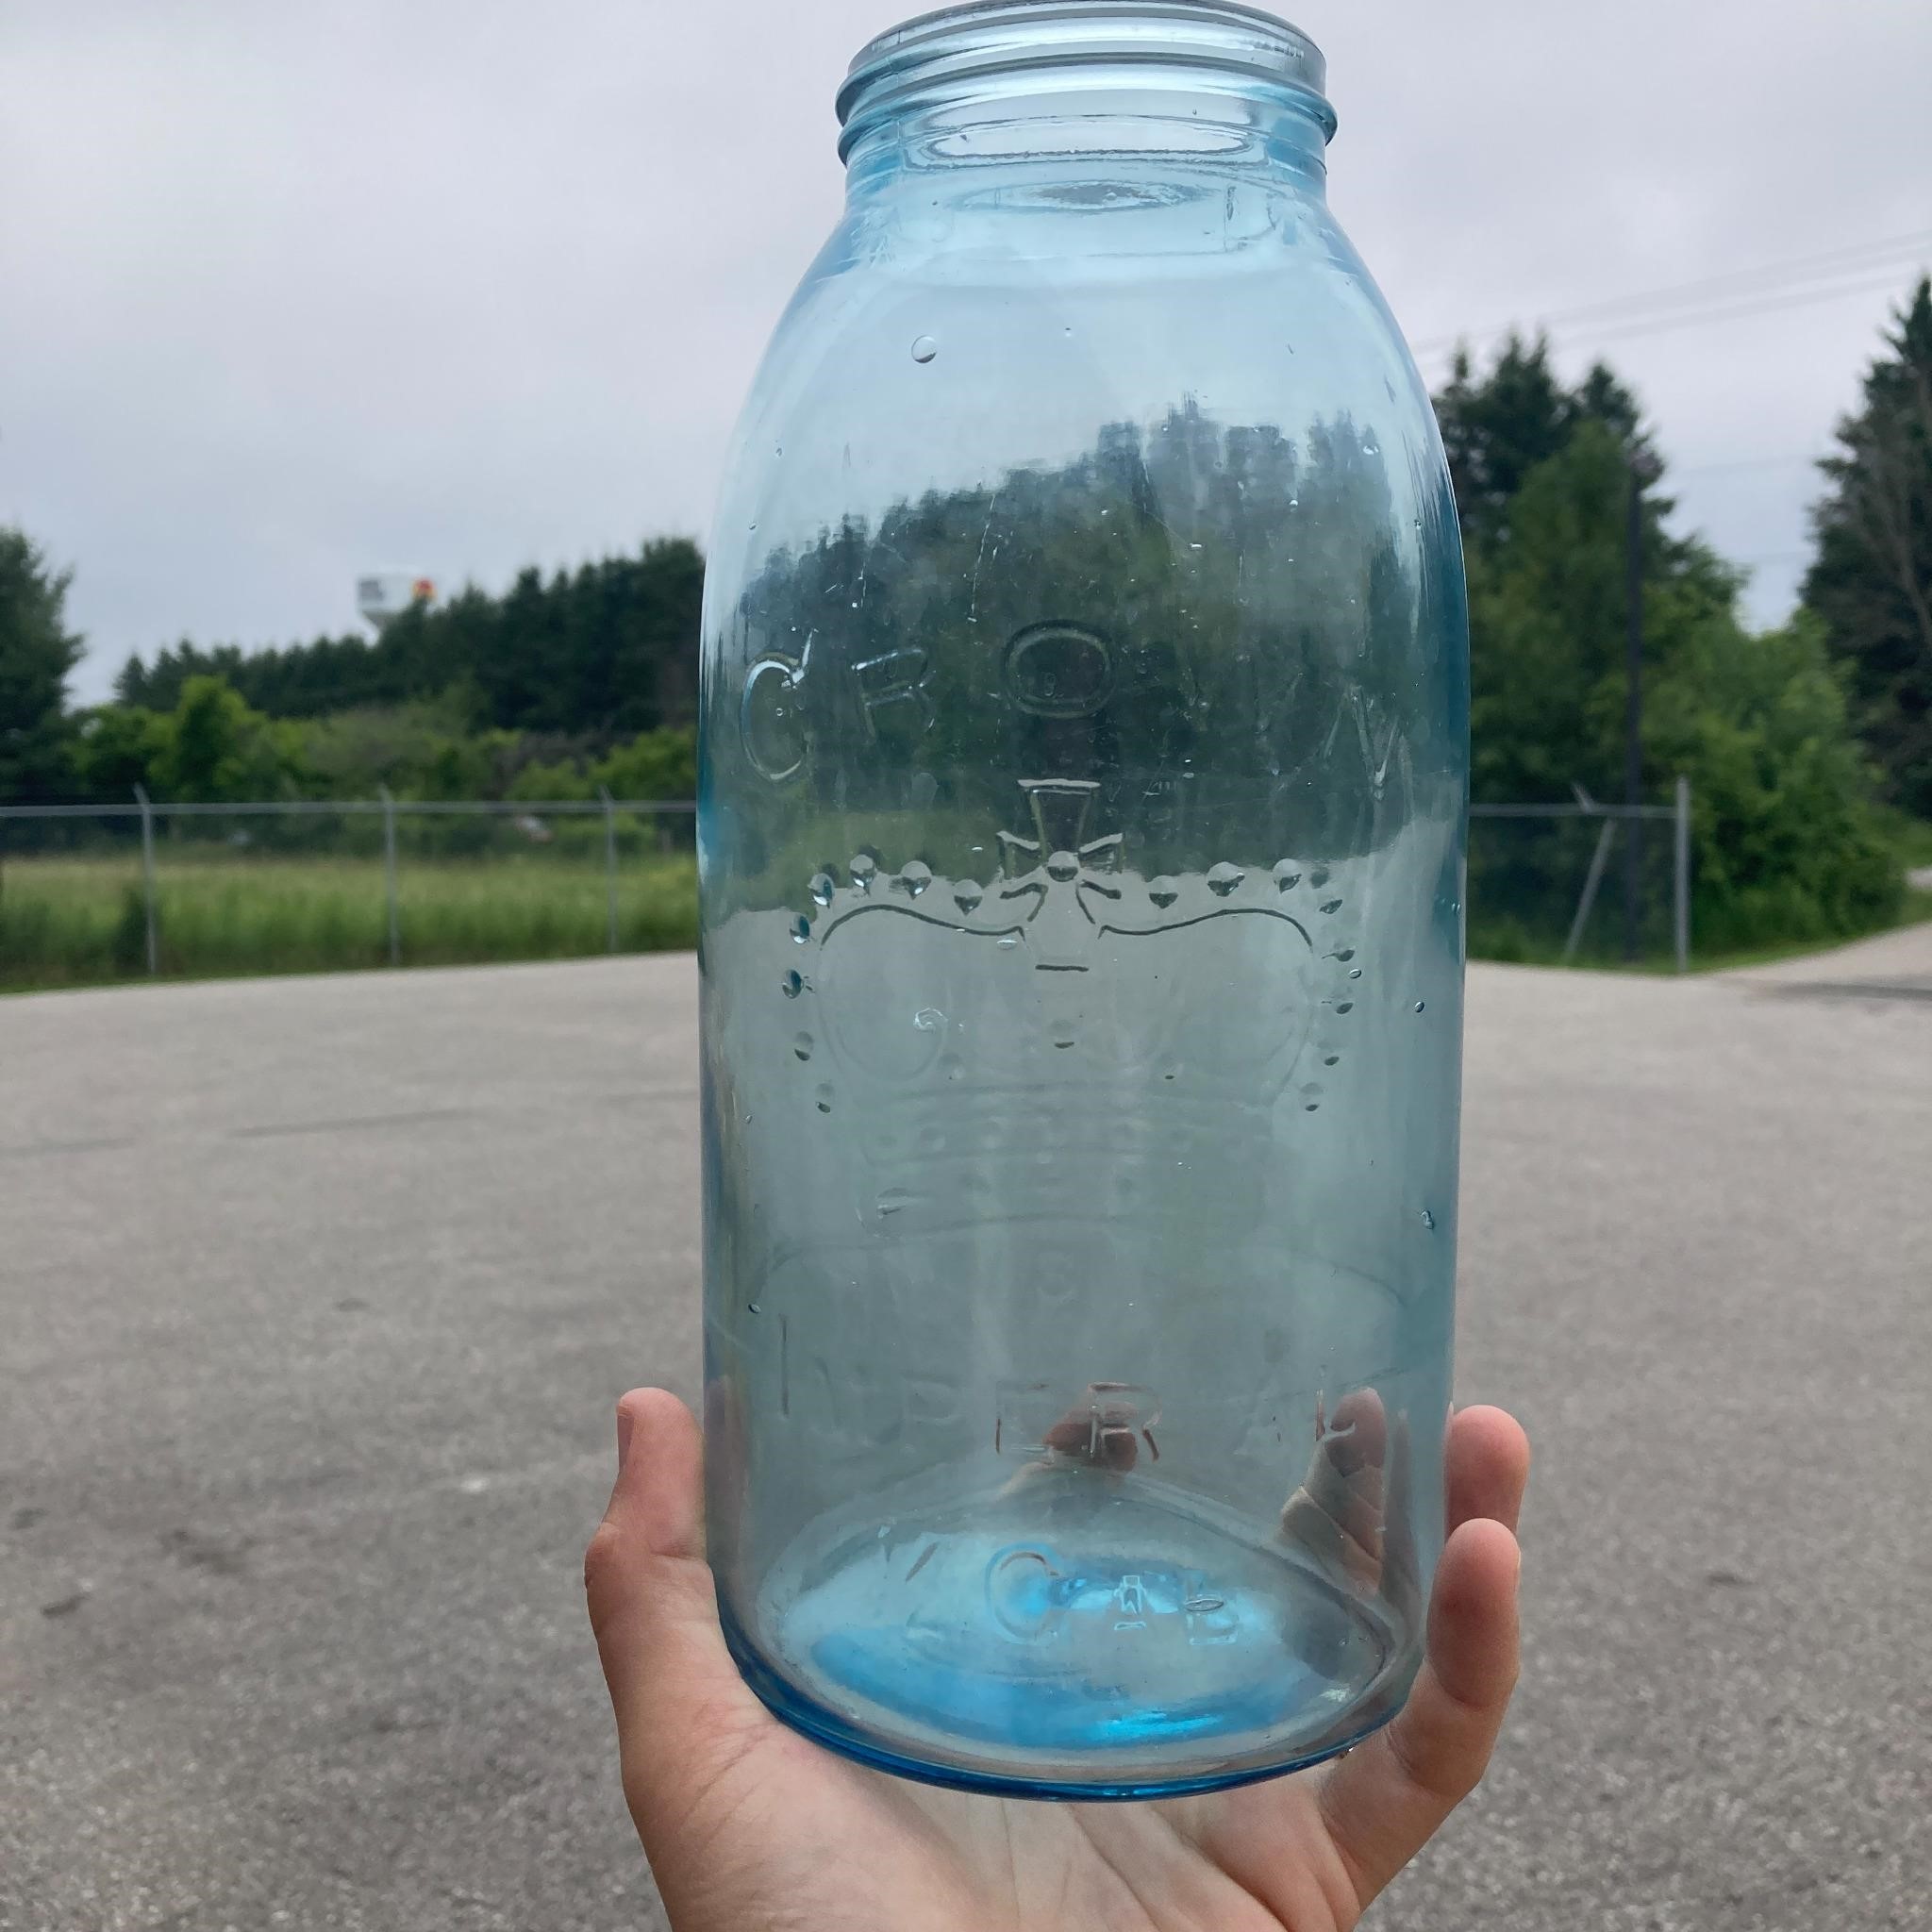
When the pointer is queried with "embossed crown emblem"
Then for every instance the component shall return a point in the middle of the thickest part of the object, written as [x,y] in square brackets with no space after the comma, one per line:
[1068,1008]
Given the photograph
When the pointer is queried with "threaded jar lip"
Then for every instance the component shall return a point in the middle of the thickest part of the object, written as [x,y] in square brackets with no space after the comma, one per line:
[986,38]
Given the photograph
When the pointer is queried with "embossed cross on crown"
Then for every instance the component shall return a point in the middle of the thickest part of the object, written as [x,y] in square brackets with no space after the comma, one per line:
[1065,868]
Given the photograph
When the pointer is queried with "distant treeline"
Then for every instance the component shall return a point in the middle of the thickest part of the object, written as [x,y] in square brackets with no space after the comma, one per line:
[604,652]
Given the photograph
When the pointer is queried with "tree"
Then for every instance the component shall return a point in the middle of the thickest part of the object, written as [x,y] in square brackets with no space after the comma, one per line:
[1547,622]
[214,748]
[421,749]
[115,747]
[661,765]
[37,654]
[1870,583]
[1498,428]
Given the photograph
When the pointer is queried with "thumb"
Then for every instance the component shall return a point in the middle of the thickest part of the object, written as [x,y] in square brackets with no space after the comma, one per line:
[653,1611]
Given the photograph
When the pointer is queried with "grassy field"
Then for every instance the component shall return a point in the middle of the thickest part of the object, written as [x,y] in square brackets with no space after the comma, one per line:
[81,922]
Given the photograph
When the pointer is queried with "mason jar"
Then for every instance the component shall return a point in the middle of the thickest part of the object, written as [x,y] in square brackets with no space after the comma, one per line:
[1081,844]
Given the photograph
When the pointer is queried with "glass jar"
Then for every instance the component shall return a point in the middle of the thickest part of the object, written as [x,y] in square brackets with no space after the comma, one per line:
[1081,832]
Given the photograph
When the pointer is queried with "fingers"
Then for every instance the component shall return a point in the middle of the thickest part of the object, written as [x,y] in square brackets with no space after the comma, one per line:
[1101,1435]
[1384,1801]
[1336,1516]
[1401,1575]
[1103,1432]
[1358,1433]
[1488,1467]
[653,1608]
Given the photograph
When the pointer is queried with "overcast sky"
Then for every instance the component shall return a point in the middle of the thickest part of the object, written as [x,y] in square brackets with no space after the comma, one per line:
[293,291]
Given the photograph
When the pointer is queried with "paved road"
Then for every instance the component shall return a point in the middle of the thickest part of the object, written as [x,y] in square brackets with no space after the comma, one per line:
[317,1295]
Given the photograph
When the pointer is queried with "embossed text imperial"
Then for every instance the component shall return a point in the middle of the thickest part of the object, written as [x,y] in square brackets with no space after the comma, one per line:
[1081,839]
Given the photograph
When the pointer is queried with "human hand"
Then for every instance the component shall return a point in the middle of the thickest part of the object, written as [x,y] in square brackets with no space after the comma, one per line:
[749,1826]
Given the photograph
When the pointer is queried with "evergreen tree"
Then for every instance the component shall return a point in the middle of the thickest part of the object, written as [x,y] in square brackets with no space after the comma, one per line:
[158,687]
[37,653]
[1498,428]
[1870,583]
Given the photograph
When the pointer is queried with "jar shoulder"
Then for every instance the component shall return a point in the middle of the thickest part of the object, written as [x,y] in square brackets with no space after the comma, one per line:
[1267,314]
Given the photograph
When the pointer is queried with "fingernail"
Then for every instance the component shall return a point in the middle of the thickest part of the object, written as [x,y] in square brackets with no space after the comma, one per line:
[622,1436]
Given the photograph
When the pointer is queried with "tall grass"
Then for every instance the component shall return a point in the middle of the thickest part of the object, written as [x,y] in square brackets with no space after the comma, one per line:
[81,922]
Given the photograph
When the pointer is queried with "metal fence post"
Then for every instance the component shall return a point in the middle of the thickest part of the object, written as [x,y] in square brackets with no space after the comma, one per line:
[388,876]
[1598,859]
[610,867]
[1681,881]
[147,880]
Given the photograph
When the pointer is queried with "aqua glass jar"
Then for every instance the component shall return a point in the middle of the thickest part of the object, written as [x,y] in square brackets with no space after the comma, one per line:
[1081,832]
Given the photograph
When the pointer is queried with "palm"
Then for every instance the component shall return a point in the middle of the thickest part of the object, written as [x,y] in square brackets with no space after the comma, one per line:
[846,1846]
[748,1824]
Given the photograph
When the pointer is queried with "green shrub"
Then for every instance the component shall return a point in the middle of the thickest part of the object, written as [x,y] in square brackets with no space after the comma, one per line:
[1786,843]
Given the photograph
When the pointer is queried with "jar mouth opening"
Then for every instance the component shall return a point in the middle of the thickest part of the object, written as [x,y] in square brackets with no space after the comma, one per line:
[988,40]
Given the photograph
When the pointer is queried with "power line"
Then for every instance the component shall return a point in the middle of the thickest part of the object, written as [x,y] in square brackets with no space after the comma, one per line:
[1737,292]
[1736,283]
[1742,312]
[1738,311]
[1734,311]
[1857,256]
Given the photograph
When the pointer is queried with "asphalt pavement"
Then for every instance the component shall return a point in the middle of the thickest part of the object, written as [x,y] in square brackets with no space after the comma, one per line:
[317,1295]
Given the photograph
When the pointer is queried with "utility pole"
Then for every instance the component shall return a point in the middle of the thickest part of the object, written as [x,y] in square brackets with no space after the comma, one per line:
[1641,465]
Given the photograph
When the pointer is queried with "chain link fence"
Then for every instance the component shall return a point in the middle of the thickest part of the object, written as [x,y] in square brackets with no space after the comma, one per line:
[91,894]
[94,894]
[1551,883]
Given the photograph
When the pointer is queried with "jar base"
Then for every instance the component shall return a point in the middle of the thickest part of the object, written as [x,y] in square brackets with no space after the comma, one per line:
[1105,1640]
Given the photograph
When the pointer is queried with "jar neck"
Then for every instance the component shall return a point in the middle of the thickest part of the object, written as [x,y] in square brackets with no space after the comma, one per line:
[941,148]
[1066,89]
